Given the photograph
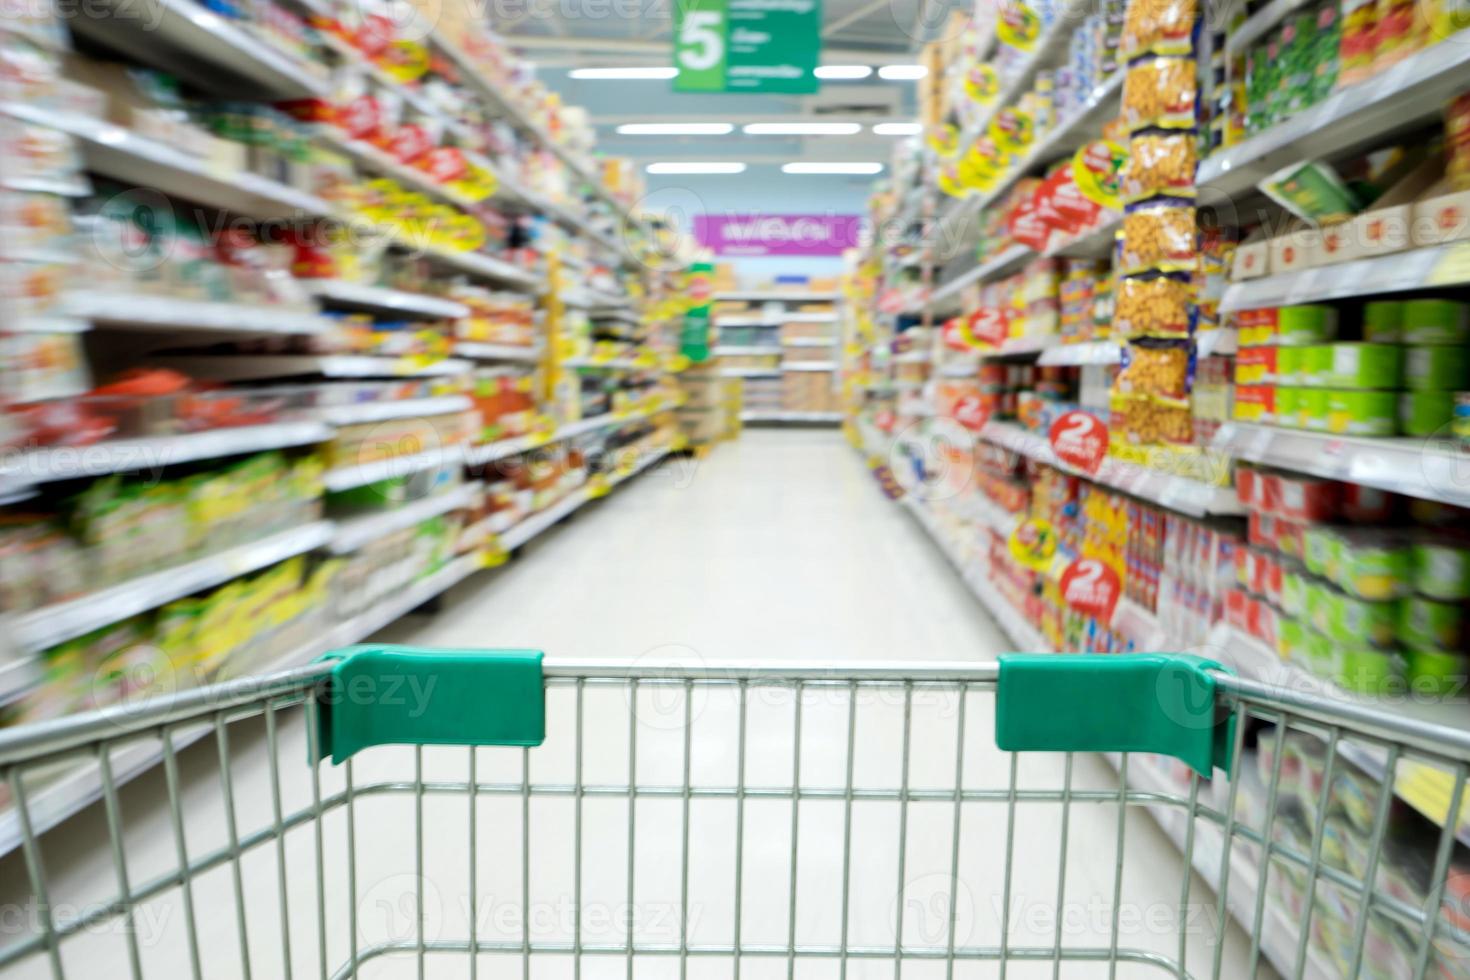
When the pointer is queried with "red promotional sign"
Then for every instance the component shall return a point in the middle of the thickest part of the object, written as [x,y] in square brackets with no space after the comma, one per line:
[1080,440]
[444,164]
[885,420]
[990,325]
[953,335]
[1091,588]
[970,412]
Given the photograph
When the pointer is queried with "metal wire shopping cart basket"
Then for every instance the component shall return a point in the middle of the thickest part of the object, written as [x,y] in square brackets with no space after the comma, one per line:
[771,820]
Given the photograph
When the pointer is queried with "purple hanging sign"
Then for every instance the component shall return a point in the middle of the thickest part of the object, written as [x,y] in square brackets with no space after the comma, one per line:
[778,234]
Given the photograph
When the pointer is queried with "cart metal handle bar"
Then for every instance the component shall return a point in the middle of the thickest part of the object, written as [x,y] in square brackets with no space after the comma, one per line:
[31,742]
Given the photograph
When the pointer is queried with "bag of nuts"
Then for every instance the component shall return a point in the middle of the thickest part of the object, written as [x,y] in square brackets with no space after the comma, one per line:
[1157,237]
[1151,420]
[1154,306]
[1159,93]
[1158,27]
[1156,368]
[1159,164]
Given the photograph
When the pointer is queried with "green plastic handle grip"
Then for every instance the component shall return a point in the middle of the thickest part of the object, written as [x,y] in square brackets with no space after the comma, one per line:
[1137,702]
[396,695]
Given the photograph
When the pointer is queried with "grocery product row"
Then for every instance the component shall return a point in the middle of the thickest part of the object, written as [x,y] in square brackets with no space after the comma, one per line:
[782,344]
[1180,366]
[1064,563]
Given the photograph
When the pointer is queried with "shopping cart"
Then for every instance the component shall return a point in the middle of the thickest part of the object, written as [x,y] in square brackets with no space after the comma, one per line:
[754,820]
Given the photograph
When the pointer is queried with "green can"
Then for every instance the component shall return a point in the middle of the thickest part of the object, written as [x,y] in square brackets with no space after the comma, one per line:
[1369,671]
[1316,365]
[1437,369]
[1352,620]
[1423,413]
[1440,673]
[1319,550]
[1373,564]
[1383,321]
[1297,326]
[1289,361]
[1289,412]
[1442,571]
[1366,366]
[1435,321]
[1316,403]
[1427,623]
[1362,413]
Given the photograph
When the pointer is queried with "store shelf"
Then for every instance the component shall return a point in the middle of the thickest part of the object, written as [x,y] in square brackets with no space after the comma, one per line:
[246,367]
[1181,493]
[1022,634]
[1061,140]
[1093,243]
[608,364]
[71,792]
[154,453]
[592,299]
[809,366]
[123,155]
[646,460]
[165,313]
[478,264]
[207,49]
[1420,468]
[809,342]
[1254,660]
[995,267]
[382,299]
[1278,933]
[1420,268]
[360,475]
[778,417]
[1410,94]
[355,532]
[36,631]
[379,161]
[775,296]
[522,532]
[406,408]
[476,351]
[741,320]
[733,350]
[750,372]
[1090,352]
[1048,48]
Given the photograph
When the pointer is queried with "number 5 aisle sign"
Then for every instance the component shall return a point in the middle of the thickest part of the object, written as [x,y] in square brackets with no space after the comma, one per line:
[747,45]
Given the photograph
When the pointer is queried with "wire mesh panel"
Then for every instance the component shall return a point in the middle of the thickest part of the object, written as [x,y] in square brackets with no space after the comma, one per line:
[750,822]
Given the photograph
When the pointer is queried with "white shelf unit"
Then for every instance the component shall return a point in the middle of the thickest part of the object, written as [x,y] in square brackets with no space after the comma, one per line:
[152,453]
[360,475]
[1409,94]
[383,411]
[353,532]
[35,631]
[1413,467]
[823,418]
[167,314]
[476,351]
[246,367]
[1419,268]
[381,299]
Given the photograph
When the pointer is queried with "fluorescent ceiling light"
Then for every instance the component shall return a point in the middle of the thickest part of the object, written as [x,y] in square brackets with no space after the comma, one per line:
[843,71]
[832,168]
[896,73]
[696,168]
[802,129]
[675,129]
[624,74]
[897,129]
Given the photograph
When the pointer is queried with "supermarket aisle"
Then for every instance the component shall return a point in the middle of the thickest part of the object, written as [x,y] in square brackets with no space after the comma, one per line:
[777,547]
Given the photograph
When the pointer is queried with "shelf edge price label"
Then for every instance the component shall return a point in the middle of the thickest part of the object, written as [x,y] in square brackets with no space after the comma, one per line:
[1080,440]
[1091,588]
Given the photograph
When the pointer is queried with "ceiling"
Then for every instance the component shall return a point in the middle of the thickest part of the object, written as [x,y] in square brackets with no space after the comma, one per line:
[558,36]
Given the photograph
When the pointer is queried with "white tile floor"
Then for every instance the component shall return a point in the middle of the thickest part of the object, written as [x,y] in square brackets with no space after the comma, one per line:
[778,547]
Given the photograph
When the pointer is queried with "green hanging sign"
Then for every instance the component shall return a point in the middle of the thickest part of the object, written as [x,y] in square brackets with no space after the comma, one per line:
[747,45]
